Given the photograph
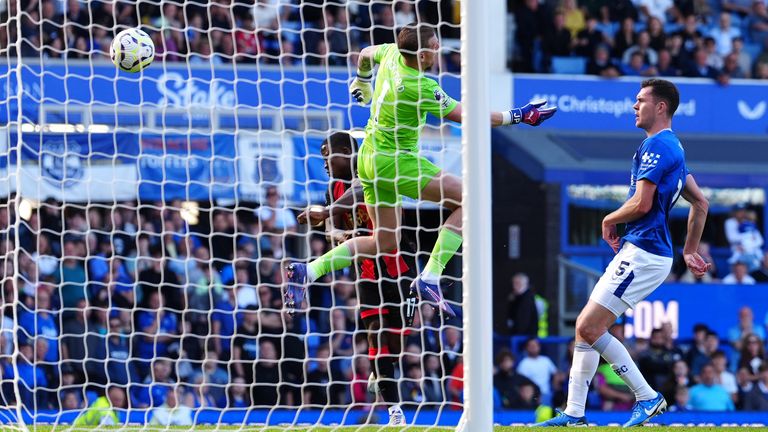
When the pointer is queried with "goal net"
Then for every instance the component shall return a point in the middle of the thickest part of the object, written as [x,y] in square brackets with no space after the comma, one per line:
[146,219]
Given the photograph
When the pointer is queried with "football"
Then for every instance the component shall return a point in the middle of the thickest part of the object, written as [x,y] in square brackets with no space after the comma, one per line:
[132,50]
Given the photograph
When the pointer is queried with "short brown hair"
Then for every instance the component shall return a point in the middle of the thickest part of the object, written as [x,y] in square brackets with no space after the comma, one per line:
[413,38]
[664,90]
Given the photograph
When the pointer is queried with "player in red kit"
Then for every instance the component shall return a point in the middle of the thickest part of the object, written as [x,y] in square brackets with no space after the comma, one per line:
[382,280]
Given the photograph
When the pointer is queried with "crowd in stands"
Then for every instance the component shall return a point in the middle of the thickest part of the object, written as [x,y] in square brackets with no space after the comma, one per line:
[716,39]
[137,300]
[285,32]
[161,313]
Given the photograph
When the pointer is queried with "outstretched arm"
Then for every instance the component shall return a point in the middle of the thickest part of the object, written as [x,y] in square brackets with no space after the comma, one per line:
[533,114]
[697,216]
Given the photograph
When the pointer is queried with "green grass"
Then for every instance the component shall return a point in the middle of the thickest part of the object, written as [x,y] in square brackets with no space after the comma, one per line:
[363,429]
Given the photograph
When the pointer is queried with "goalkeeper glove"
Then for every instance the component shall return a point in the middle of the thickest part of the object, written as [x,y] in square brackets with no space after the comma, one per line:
[532,113]
[361,88]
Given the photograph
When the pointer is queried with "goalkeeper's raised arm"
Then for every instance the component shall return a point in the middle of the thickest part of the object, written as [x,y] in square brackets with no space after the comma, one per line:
[418,50]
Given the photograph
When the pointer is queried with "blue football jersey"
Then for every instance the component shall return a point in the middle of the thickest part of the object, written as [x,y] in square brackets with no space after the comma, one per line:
[660,160]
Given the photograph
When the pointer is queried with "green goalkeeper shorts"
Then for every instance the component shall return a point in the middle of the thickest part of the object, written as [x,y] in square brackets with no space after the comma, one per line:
[387,176]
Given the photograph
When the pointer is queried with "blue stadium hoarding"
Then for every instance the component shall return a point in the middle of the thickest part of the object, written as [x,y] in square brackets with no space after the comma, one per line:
[591,103]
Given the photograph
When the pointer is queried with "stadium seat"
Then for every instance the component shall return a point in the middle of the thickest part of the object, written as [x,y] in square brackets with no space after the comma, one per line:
[569,65]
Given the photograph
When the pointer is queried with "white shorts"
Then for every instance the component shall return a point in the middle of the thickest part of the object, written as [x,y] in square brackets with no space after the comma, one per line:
[631,277]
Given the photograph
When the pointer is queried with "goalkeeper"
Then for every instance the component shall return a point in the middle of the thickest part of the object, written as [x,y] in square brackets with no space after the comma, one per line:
[381,283]
[389,164]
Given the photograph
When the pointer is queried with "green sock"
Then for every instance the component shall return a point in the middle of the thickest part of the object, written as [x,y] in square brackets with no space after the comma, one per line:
[448,242]
[335,259]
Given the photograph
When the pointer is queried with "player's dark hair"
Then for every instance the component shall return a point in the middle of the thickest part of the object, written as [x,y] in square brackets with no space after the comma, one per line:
[413,38]
[664,90]
[338,142]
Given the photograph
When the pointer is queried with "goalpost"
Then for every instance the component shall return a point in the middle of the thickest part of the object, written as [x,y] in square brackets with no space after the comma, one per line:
[148,217]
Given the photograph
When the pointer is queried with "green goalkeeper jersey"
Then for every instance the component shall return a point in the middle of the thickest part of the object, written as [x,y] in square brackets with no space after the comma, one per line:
[401,100]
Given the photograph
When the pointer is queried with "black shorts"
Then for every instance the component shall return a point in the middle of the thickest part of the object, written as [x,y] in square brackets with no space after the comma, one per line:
[384,299]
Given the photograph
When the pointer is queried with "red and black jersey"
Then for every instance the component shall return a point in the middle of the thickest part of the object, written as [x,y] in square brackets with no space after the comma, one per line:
[359,220]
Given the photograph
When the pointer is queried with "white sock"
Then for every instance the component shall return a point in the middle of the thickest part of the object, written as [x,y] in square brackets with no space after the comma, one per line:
[430,278]
[618,357]
[583,369]
[394,409]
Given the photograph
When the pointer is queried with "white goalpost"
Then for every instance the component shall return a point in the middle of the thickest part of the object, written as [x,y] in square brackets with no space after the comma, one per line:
[150,215]
[478,272]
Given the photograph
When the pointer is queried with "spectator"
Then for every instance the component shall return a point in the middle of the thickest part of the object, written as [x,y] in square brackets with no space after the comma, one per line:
[746,327]
[588,39]
[724,34]
[742,58]
[697,355]
[714,59]
[757,398]
[655,9]
[384,26]
[746,241]
[708,395]
[276,220]
[159,329]
[657,361]
[224,321]
[761,274]
[507,382]
[752,355]
[404,13]
[172,412]
[411,387]
[739,275]
[557,41]
[531,18]
[41,323]
[237,395]
[30,377]
[102,410]
[321,382]
[452,347]
[731,70]
[643,46]
[656,33]
[523,319]
[574,17]
[757,22]
[665,67]
[737,7]
[267,376]
[432,382]
[761,71]
[724,377]
[682,400]
[213,376]
[637,67]
[155,387]
[73,341]
[625,38]
[538,368]
[680,377]
[601,64]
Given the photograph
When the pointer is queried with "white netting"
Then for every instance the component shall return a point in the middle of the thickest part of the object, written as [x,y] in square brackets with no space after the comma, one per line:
[151,213]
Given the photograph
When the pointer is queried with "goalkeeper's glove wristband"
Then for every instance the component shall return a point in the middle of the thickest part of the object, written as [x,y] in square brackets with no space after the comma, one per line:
[366,76]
